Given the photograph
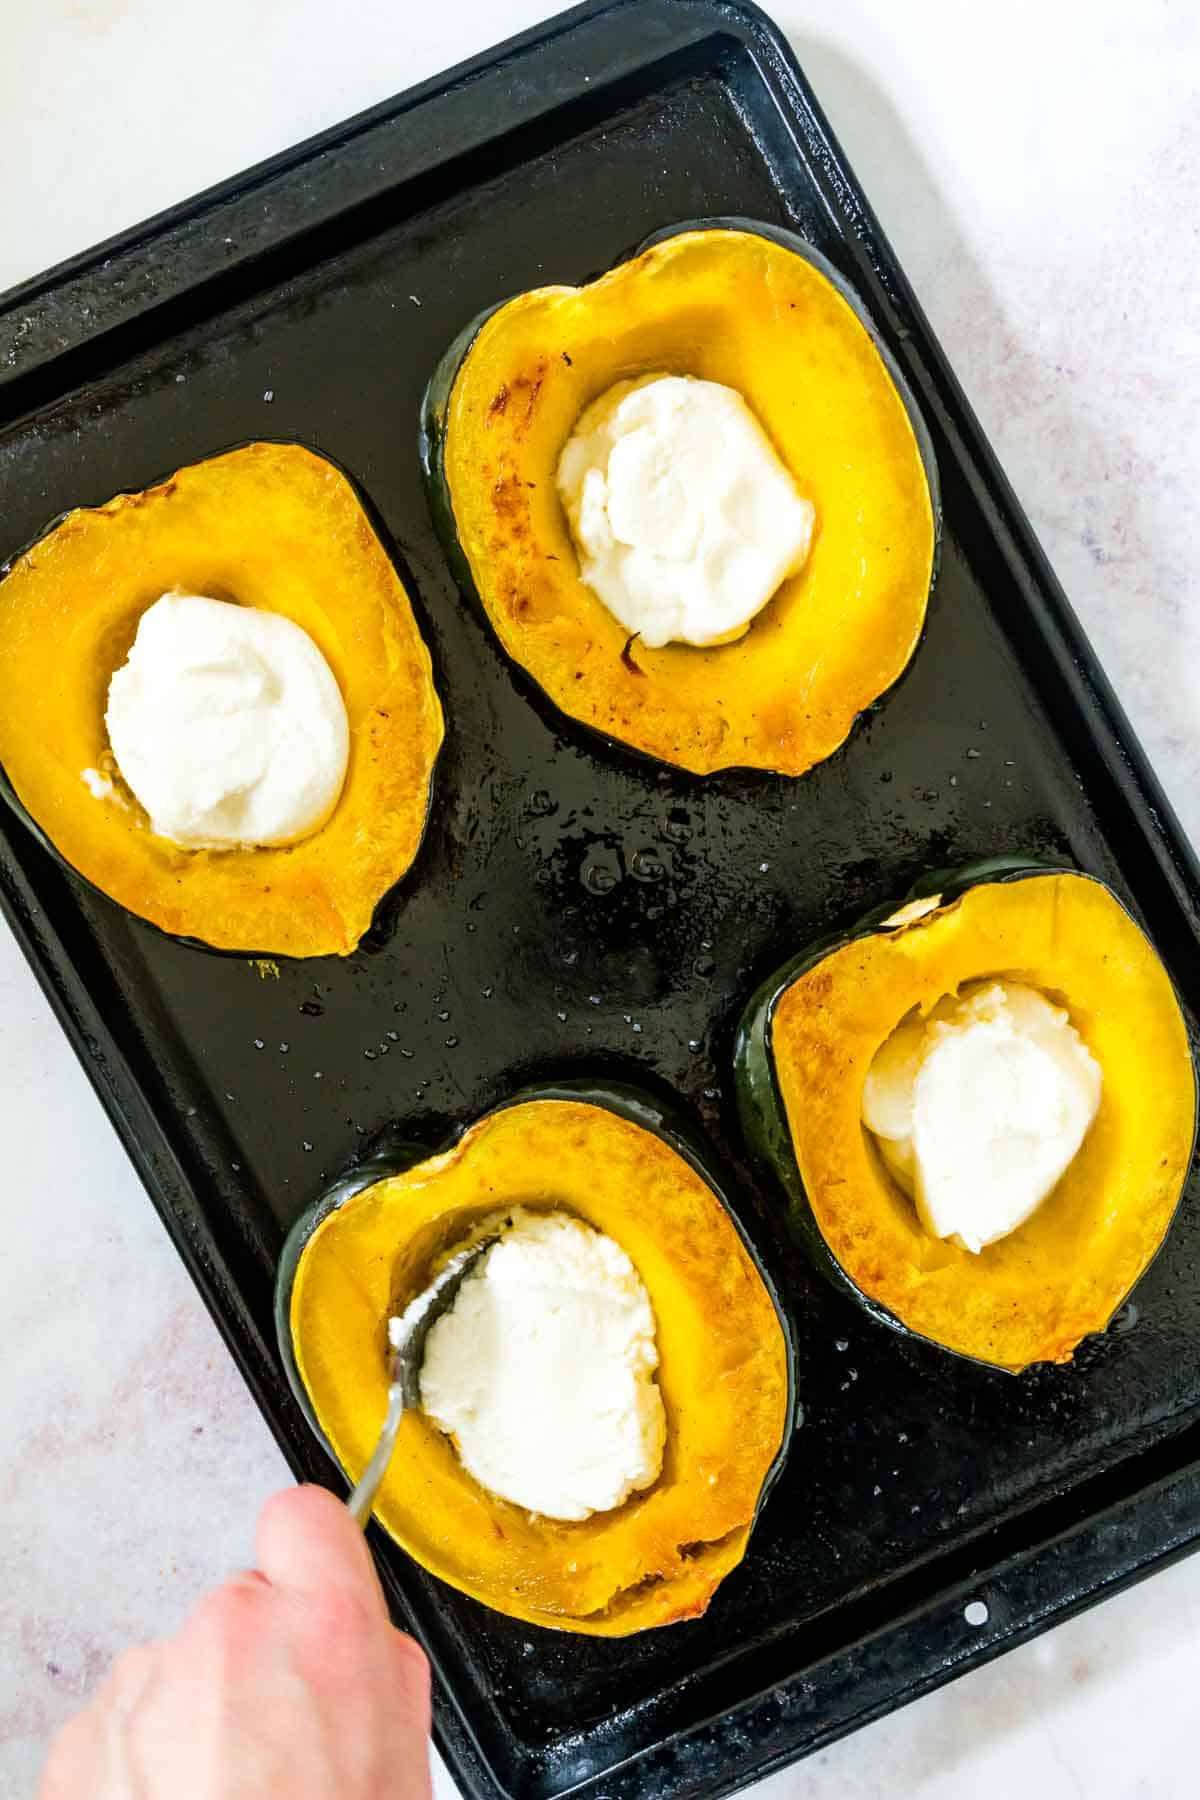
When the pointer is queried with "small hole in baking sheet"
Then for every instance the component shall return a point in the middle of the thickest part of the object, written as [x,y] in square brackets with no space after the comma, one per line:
[976,1613]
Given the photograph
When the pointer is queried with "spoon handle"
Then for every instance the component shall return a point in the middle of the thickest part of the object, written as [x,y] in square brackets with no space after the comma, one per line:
[363,1497]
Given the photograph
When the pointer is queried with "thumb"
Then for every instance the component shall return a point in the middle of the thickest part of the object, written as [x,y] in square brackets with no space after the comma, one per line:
[307,1542]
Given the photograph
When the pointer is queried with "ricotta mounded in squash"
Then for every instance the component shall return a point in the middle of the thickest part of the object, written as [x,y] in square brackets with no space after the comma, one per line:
[542,1370]
[228,725]
[980,1107]
[685,519]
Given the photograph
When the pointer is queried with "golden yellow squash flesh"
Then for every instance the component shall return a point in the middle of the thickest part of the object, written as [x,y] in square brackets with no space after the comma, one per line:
[809,1040]
[723,1372]
[272,526]
[754,313]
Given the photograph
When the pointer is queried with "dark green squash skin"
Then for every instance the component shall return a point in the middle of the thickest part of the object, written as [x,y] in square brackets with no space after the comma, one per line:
[627,1102]
[431,448]
[760,1103]
[435,408]
[8,794]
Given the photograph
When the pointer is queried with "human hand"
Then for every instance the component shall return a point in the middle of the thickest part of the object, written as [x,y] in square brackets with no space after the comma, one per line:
[288,1682]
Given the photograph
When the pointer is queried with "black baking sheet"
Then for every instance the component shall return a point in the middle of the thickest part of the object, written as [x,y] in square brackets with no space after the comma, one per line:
[311,299]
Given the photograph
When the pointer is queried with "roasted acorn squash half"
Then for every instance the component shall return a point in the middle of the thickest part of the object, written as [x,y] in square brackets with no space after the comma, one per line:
[758,310]
[609,1157]
[271,525]
[808,1038]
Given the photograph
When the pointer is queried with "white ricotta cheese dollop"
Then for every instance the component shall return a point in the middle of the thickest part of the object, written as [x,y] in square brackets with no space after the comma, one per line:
[542,1370]
[228,725]
[980,1107]
[684,518]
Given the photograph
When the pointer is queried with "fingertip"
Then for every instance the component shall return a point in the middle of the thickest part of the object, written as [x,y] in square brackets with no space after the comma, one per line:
[304,1510]
[307,1541]
[304,1500]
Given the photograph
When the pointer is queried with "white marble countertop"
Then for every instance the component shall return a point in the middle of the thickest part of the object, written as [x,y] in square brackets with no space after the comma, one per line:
[1036,166]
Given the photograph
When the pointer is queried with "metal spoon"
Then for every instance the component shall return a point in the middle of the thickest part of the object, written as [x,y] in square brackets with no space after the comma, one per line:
[404,1368]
